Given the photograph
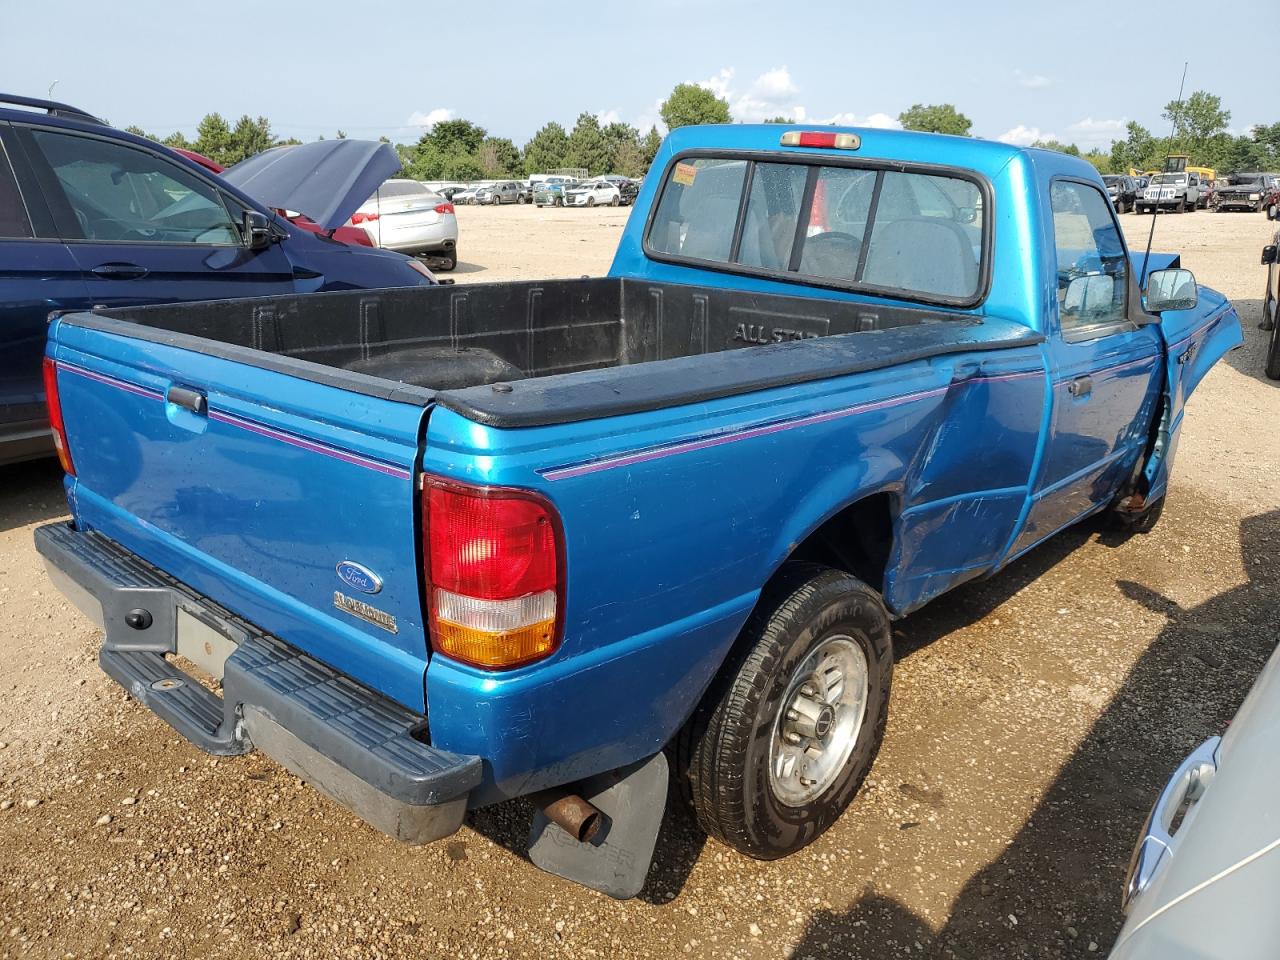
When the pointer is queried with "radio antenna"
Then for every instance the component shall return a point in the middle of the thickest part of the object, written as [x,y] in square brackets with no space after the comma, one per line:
[1168,164]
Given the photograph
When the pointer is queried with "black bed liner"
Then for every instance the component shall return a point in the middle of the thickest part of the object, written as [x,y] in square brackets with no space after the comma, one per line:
[579,349]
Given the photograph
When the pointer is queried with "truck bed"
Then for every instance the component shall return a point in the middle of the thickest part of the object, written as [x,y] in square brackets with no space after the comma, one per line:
[558,351]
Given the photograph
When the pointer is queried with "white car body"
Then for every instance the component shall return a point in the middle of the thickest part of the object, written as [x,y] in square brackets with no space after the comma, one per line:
[468,195]
[1207,888]
[594,193]
[404,215]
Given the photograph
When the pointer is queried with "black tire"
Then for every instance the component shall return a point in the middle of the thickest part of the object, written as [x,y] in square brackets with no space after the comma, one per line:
[1273,350]
[615,201]
[450,259]
[591,201]
[1182,205]
[723,753]
[1143,522]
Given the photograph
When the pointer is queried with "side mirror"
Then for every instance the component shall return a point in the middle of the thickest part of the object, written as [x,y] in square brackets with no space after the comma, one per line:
[1269,254]
[1088,296]
[256,230]
[1170,290]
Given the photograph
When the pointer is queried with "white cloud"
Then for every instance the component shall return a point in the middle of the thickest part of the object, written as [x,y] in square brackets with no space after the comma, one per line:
[775,93]
[877,121]
[1024,136]
[1090,133]
[719,84]
[775,85]
[607,117]
[1032,81]
[431,117]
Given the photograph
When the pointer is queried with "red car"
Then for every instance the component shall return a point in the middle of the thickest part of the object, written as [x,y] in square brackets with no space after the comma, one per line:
[342,234]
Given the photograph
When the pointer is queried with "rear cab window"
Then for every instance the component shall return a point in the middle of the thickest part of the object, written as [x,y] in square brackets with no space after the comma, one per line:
[904,233]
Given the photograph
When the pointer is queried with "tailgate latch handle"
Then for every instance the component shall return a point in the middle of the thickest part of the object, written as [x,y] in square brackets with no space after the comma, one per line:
[188,399]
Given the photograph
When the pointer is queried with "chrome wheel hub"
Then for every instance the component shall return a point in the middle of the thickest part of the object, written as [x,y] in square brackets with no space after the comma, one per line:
[822,713]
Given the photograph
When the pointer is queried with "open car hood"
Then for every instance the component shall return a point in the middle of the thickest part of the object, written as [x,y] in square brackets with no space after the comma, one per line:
[327,180]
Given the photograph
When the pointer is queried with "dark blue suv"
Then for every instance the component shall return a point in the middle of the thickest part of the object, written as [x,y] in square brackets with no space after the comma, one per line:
[92,215]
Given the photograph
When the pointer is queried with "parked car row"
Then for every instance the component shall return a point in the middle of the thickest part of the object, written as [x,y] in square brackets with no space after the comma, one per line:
[550,191]
[1187,191]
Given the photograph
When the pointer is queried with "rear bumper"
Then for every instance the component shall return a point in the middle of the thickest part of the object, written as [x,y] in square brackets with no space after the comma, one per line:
[357,746]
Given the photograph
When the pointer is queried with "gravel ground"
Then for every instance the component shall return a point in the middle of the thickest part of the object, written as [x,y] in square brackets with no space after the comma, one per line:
[1035,716]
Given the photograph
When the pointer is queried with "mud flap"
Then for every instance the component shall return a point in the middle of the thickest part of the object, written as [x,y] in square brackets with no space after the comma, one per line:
[616,861]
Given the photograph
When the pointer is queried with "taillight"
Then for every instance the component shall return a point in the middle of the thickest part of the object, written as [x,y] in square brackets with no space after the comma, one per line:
[54,403]
[363,217]
[444,208]
[821,138]
[494,569]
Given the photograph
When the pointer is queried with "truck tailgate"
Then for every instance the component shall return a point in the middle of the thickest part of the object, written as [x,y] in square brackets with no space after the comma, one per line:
[288,501]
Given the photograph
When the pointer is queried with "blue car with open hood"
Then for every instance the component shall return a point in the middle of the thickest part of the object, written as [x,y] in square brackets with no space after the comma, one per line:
[442,547]
[90,215]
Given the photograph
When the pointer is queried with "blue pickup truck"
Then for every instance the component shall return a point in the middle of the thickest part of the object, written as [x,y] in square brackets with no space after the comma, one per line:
[436,548]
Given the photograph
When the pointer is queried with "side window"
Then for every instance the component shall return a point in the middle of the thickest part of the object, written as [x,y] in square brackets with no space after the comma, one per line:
[699,209]
[14,222]
[1093,271]
[121,194]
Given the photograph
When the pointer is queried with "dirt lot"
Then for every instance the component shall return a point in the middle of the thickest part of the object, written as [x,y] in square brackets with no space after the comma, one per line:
[1034,718]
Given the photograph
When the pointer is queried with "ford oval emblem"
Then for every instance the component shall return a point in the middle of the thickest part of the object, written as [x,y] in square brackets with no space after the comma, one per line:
[359,577]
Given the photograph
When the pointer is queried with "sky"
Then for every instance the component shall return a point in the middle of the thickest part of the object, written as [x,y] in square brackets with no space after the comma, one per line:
[1076,72]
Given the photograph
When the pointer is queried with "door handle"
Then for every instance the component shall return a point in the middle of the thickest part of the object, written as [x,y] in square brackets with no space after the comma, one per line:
[119,271]
[1080,387]
[188,399]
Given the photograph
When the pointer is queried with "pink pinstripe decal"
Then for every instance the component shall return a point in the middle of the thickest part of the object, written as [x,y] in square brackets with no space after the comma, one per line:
[715,440]
[1098,373]
[346,456]
[315,447]
[125,385]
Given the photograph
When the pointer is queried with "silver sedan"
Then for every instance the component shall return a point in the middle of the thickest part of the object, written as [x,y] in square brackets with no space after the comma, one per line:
[1204,882]
[406,216]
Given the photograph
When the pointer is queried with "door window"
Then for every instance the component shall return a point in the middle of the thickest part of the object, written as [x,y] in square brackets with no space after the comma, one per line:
[121,194]
[1093,270]
[14,222]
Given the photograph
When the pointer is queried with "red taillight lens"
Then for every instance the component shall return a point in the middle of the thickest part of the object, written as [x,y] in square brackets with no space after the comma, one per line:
[444,208]
[493,562]
[54,402]
[363,217]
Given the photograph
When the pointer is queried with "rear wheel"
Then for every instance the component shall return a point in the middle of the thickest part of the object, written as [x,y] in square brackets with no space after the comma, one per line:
[450,259]
[788,731]
[591,201]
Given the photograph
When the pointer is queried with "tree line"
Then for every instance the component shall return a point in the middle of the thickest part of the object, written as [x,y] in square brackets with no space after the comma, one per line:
[462,150]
